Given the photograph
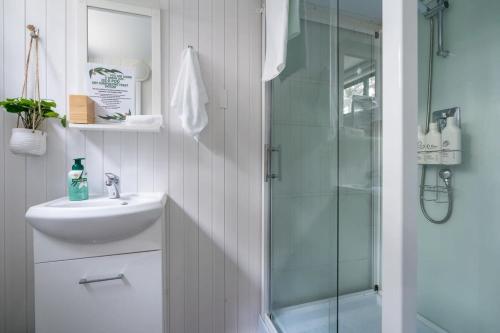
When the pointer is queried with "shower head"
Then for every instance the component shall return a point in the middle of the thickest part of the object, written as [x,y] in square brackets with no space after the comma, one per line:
[424,6]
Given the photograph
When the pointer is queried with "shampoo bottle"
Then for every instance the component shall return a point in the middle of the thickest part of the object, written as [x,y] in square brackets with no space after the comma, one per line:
[433,145]
[77,182]
[420,145]
[452,142]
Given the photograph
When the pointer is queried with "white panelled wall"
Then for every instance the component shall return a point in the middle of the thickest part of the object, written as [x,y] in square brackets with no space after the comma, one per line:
[214,187]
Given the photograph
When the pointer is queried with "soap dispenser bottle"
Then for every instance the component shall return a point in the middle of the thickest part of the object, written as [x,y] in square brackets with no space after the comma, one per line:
[433,145]
[452,142]
[77,182]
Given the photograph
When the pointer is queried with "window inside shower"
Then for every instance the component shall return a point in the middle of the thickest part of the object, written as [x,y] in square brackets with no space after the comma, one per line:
[364,86]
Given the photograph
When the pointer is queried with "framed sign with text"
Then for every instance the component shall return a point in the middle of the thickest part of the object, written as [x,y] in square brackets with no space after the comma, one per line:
[112,88]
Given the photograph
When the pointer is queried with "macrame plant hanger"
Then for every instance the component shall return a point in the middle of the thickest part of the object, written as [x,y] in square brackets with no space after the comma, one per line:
[34,36]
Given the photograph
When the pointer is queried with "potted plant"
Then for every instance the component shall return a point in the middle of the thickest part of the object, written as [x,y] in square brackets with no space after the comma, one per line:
[31,113]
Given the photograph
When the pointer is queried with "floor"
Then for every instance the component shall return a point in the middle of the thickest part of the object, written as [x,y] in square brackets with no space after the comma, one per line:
[359,313]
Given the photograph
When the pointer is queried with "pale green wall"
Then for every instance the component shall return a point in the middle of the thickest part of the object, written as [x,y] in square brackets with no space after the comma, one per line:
[459,262]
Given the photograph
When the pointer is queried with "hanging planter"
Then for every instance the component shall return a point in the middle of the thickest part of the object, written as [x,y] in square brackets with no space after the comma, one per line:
[27,138]
[31,113]
[27,141]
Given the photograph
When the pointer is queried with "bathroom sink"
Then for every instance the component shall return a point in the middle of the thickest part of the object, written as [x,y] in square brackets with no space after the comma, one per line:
[99,219]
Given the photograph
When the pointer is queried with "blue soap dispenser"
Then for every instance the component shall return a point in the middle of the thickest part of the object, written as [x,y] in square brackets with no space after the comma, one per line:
[78,188]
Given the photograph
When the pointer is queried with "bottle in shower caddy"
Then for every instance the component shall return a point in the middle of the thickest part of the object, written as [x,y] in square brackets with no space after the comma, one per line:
[451,143]
[420,145]
[433,145]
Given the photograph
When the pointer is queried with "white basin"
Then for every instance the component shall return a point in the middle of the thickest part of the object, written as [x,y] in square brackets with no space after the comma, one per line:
[99,219]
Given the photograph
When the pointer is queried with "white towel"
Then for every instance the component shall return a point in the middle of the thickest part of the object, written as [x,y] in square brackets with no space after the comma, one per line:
[190,96]
[282,24]
[276,38]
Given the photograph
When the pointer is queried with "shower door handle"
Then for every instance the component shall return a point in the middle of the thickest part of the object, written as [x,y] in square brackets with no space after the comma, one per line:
[269,157]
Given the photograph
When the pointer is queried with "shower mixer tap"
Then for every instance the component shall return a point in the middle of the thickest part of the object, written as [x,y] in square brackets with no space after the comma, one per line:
[445,175]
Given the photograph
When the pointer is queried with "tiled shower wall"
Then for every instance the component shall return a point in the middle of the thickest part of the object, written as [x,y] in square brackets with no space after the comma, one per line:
[214,187]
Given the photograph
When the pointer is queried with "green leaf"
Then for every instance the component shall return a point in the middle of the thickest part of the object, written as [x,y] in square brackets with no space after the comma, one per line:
[116,116]
[46,103]
[64,122]
[27,108]
[51,114]
[102,71]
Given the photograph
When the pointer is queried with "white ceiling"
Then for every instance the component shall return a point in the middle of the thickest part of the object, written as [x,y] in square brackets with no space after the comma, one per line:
[371,9]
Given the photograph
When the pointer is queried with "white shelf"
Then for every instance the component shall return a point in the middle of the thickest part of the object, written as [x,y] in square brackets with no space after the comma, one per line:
[121,127]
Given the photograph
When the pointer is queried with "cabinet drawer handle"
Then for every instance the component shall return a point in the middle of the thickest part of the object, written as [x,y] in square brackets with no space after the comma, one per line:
[87,281]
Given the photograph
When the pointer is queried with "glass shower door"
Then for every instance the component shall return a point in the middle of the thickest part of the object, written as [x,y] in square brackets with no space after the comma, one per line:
[324,176]
[303,154]
[359,167]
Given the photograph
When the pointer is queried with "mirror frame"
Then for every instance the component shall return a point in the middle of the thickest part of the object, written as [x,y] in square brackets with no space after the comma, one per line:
[82,42]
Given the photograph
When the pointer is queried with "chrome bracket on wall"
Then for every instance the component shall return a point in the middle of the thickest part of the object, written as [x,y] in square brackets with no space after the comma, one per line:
[441,116]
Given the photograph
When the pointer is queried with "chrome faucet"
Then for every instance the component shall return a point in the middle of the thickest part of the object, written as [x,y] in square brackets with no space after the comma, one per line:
[112,185]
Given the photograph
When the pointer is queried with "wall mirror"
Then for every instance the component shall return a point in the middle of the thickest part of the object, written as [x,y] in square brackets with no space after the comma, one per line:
[120,58]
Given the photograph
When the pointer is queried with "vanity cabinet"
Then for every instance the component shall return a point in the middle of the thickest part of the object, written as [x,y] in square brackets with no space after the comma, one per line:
[98,264]
[109,294]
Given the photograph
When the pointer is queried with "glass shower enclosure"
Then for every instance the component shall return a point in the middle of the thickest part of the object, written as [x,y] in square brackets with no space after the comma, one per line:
[324,172]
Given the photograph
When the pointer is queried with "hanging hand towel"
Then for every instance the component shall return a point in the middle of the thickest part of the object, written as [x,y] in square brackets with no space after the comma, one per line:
[276,38]
[282,25]
[190,96]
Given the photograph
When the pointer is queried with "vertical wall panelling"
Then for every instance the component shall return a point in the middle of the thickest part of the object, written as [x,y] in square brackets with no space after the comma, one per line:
[36,166]
[129,168]
[145,162]
[161,148]
[217,128]
[94,160]
[230,166]
[112,153]
[213,213]
[15,171]
[55,44]
[191,197]
[255,173]
[205,234]
[176,180]
[2,177]
[161,139]
[75,140]
[243,105]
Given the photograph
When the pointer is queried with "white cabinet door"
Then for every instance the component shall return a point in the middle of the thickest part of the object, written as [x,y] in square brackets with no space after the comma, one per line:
[69,298]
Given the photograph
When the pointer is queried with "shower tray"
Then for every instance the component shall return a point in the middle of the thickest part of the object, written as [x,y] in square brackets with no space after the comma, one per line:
[359,313]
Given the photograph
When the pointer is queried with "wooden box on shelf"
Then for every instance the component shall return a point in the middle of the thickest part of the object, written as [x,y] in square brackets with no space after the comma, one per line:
[81,109]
